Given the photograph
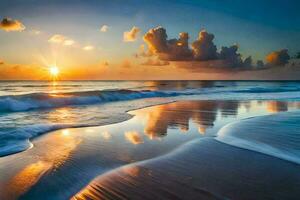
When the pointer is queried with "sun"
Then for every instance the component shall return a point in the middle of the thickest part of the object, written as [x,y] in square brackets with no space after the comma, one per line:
[54,71]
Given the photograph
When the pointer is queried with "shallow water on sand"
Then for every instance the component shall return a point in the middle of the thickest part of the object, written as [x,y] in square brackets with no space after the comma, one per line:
[63,162]
[32,108]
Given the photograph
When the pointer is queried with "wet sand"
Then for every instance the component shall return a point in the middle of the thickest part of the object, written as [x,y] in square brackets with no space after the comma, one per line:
[63,162]
[202,169]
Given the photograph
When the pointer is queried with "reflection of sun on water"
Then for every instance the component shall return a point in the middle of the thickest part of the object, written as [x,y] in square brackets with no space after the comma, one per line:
[54,72]
[57,148]
[66,132]
[62,115]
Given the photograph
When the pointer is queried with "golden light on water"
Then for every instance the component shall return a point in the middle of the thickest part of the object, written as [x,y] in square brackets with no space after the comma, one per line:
[134,137]
[66,132]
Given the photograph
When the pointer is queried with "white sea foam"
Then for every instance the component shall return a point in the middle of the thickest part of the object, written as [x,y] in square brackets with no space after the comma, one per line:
[275,135]
[47,101]
[16,140]
[25,115]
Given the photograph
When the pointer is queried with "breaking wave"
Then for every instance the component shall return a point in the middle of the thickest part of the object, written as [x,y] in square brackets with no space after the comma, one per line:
[48,100]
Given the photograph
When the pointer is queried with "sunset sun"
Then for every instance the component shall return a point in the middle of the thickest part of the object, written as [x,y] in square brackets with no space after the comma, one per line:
[54,71]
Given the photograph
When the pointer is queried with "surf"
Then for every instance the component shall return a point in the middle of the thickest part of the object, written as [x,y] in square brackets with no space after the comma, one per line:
[276,135]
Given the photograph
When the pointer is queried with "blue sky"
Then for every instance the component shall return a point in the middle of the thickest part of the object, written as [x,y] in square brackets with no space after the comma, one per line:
[258,26]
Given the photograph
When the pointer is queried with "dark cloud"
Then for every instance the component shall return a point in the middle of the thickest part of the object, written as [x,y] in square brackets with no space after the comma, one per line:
[8,24]
[156,40]
[170,50]
[204,48]
[277,58]
[1,62]
[248,62]
[230,55]
[260,64]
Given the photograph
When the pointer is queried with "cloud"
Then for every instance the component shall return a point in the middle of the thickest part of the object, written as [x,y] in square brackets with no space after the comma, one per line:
[260,64]
[230,55]
[104,28]
[57,38]
[61,39]
[248,62]
[277,58]
[35,32]
[156,39]
[68,42]
[88,48]
[170,50]
[202,55]
[155,62]
[1,62]
[131,36]
[204,48]
[8,24]
[143,53]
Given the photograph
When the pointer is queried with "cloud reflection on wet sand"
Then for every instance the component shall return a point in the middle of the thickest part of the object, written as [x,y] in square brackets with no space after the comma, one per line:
[86,152]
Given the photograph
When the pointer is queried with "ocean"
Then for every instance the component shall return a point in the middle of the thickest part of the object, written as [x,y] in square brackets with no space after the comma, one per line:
[83,139]
[32,108]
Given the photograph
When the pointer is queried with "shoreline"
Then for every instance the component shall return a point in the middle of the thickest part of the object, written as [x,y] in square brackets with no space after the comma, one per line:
[126,113]
[265,144]
[59,160]
[223,172]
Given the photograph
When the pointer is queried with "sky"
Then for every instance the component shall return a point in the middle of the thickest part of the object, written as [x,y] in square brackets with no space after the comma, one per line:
[100,39]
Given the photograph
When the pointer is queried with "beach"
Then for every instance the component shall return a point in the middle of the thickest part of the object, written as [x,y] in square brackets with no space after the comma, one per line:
[149,100]
[204,169]
[167,151]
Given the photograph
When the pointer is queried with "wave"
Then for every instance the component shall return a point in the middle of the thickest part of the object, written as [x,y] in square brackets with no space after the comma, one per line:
[46,100]
[276,135]
[17,140]
[54,100]
[268,90]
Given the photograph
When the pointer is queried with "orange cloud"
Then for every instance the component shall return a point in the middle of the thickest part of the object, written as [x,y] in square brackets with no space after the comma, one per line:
[134,137]
[170,50]
[203,47]
[155,62]
[8,24]
[276,58]
[202,50]
[131,36]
